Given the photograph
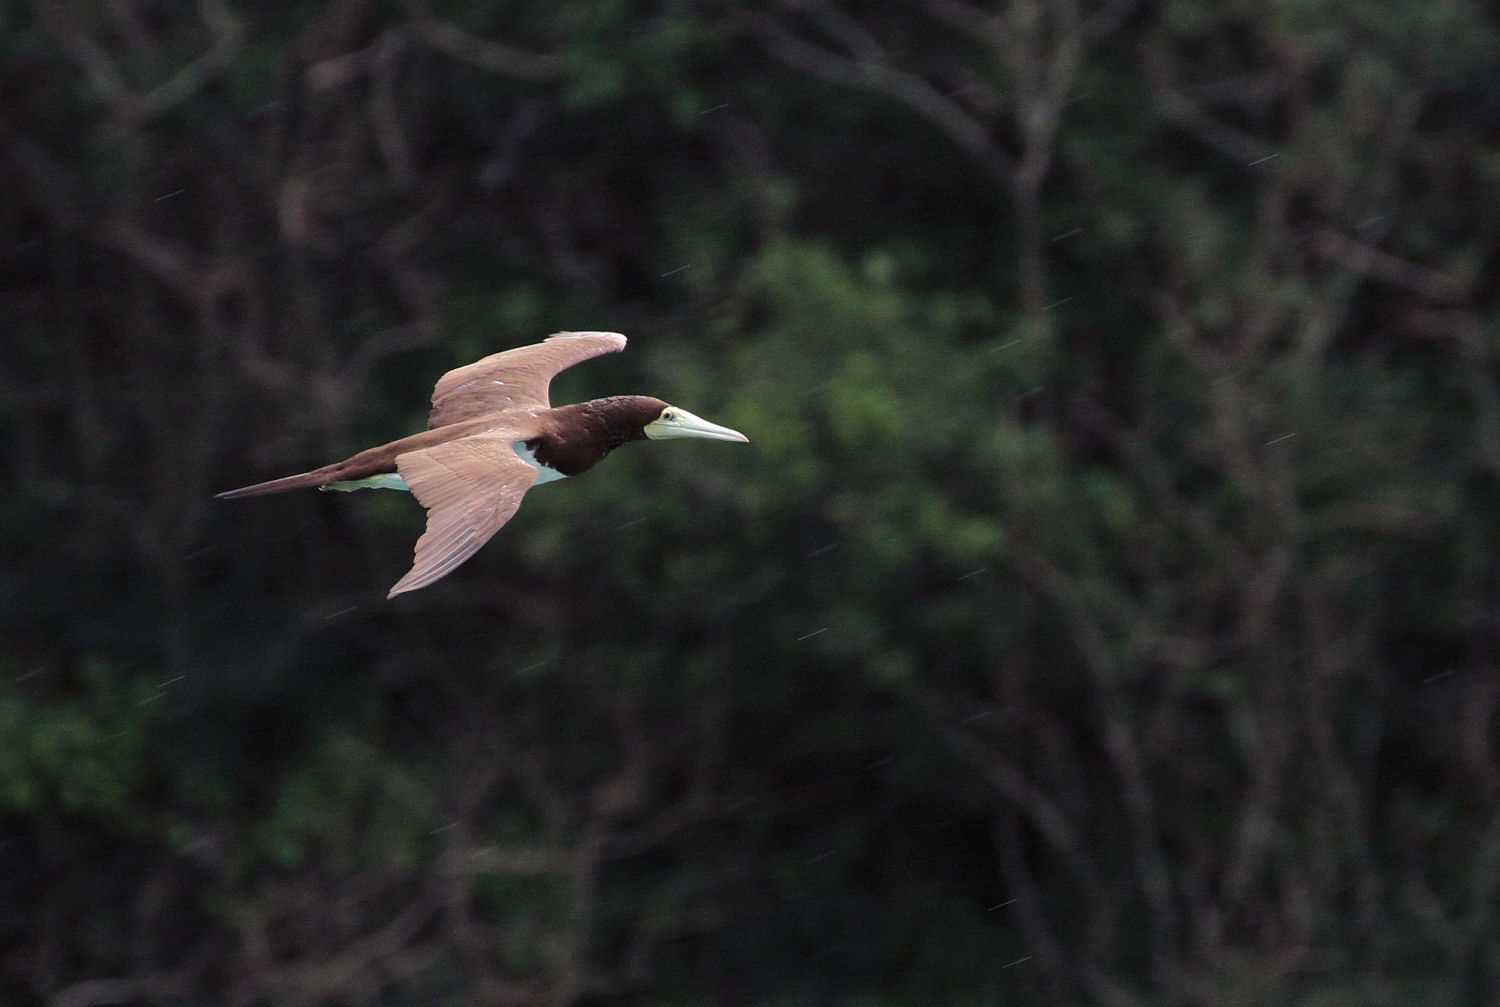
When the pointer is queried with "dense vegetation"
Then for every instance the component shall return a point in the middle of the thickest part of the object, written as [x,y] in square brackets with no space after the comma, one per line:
[1106,612]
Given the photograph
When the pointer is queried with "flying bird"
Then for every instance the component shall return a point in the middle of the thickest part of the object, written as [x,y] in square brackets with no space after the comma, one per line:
[492,434]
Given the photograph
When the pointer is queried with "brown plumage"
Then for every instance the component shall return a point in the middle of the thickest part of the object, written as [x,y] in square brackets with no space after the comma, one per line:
[468,468]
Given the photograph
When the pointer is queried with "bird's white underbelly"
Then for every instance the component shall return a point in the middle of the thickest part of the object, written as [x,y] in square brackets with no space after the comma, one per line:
[384,481]
[544,473]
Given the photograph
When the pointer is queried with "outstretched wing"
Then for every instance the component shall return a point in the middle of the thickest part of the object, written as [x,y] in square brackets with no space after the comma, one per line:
[517,377]
[470,487]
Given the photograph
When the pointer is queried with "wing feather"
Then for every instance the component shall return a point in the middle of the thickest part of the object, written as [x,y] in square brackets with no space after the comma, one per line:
[514,378]
[470,488]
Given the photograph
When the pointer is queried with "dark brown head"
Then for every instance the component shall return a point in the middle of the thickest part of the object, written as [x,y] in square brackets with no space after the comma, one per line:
[624,417]
[581,435]
[633,417]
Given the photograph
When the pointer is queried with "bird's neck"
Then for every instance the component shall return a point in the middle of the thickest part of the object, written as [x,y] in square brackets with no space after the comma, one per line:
[615,420]
[579,436]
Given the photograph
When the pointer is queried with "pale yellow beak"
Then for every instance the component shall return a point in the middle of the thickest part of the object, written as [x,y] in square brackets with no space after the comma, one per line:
[674,422]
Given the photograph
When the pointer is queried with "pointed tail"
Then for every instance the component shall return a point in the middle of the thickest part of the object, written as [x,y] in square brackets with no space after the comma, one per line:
[374,461]
[301,481]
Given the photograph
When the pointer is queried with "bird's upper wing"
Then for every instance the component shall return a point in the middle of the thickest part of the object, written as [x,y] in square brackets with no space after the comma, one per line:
[470,487]
[517,377]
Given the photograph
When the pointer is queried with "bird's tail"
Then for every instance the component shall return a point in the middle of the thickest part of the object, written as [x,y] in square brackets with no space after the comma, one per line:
[301,481]
[374,461]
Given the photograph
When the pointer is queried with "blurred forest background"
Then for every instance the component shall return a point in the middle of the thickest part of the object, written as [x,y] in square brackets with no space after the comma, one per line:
[1106,611]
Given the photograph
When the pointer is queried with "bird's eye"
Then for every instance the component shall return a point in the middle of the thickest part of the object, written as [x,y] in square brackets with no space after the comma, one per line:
[667,414]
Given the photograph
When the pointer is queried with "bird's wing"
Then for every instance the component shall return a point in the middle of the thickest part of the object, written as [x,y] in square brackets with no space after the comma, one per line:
[512,378]
[470,487]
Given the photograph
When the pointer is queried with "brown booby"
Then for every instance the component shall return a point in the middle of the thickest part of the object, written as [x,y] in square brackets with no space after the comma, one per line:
[492,434]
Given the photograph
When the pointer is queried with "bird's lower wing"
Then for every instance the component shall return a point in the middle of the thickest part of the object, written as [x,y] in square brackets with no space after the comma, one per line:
[470,488]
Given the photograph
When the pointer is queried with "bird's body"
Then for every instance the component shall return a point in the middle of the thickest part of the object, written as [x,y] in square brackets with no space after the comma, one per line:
[492,435]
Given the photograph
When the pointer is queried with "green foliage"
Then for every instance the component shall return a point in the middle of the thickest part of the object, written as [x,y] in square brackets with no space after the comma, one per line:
[345,809]
[1132,646]
[85,757]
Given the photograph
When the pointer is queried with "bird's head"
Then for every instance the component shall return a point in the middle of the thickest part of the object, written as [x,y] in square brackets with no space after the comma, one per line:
[620,419]
[669,421]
